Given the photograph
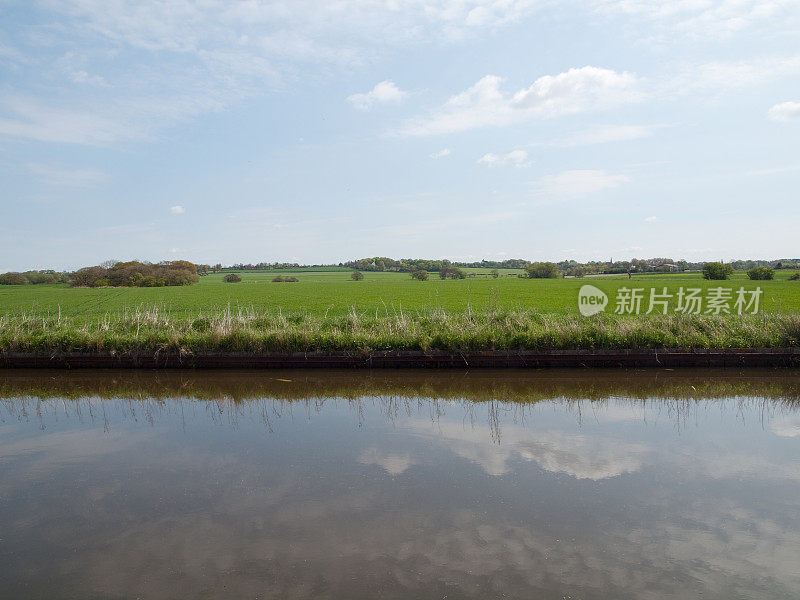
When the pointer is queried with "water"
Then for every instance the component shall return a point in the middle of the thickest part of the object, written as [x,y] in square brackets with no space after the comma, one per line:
[349,485]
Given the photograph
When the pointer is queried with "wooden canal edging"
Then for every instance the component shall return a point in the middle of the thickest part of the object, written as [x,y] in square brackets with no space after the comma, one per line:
[666,358]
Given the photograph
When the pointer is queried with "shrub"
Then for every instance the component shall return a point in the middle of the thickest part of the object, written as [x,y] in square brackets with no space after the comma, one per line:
[13,279]
[717,271]
[761,273]
[280,279]
[232,278]
[495,273]
[420,274]
[542,270]
[357,276]
[795,277]
[451,272]
[143,274]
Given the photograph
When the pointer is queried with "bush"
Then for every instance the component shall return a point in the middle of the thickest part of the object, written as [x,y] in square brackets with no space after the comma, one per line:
[420,275]
[13,279]
[761,273]
[357,276]
[143,274]
[231,278]
[280,279]
[795,277]
[451,272]
[542,270]
[495,273]
[717,271]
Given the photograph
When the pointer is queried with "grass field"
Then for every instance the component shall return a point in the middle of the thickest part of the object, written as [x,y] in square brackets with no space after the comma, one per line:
[381,294]
[386,311]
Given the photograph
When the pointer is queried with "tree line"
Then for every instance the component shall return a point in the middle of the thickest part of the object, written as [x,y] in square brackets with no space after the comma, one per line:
[131,273]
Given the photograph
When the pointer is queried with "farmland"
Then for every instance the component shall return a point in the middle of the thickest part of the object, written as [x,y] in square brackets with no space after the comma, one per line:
[332,293]
[326,310]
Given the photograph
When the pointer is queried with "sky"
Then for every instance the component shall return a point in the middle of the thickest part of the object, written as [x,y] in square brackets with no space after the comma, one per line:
[323,131]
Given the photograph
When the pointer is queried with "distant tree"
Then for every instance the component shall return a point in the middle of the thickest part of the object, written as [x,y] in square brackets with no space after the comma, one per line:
[13,279]
[494,273]
[357,276]
[761,273]
[451,272]
[88,276]
[577,271]
[232,278]
[420,274]
[717,271]
[542,270]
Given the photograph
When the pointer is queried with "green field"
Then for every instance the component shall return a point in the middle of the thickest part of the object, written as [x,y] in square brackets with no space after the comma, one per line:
[379,294]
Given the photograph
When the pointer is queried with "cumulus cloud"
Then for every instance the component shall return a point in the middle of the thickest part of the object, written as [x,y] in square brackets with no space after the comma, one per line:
[393,464]
[579,182]
[652,219]
[383,92]
[785,111]
[578,456]
[441,153]
[177,209]
[485,104]
[517,158]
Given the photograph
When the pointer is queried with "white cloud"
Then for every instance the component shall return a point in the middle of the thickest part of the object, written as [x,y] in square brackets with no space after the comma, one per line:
[788,426]
[177,209]
[393,464]
[517,158]
[175,60]
[706,18]
[652,219]
[441,153]
[579,182]
[785,111]
[718,76]
[485,104]
[33,120]
[60,177]
[385,91]
[578,456]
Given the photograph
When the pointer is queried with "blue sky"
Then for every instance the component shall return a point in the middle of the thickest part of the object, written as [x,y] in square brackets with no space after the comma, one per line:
[466,129]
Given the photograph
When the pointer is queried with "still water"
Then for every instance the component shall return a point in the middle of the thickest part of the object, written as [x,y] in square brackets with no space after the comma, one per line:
[347,485]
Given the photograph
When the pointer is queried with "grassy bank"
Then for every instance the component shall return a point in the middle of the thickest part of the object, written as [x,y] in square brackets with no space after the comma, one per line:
[250,331]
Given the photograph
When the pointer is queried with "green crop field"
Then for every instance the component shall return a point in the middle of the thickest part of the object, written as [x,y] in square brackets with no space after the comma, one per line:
[332,293]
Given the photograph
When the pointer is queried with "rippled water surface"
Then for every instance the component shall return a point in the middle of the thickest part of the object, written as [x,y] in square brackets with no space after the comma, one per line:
[350,485]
